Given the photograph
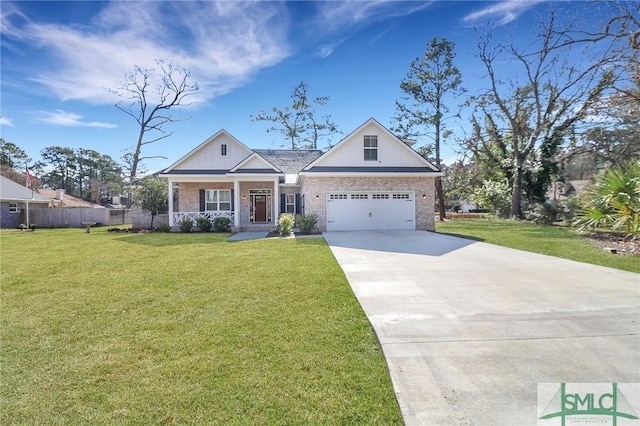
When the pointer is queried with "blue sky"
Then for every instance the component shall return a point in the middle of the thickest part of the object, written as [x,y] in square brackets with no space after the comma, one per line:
[59,59]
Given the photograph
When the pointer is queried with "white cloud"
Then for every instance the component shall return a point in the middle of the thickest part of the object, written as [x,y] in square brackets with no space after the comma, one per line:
[501,12]
[4,121]
[70,119]
[338,18]
[345,14]
[327,49]
[223,43]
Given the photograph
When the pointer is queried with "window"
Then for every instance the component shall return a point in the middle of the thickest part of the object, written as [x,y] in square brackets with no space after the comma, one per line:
[370,148]
[223,150]
[290,203]
[359,196]
[338,196]
[13,208]
[401,196]
[217,200]
[380,196]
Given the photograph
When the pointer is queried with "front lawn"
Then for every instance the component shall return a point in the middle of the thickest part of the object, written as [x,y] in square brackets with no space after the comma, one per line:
[106,328]
[550,240]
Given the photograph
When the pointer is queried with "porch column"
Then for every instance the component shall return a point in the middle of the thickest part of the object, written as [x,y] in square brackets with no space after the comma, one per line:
[236,203]
[276,201]
[170,202]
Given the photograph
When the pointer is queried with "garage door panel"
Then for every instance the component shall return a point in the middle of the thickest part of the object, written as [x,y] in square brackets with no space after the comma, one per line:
[370,211]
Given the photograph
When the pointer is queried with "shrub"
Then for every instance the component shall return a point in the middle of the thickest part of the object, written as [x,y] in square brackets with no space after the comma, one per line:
[496,195]
[612,203]
[567,208]
[307,223]
[286,221]
[165,227]
[543,214]
[222,224]
[185,225]
[204,224]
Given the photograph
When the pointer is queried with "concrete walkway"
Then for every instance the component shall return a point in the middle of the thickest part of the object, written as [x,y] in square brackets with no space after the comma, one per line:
[469,329]
[248,235]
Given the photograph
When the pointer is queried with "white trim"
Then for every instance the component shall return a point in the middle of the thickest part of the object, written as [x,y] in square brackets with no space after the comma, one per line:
[218,200]
[170,202]
[268,192]
[275,208]
[236,202]
[206,142]
[370,174]
[251,157]
[384,130]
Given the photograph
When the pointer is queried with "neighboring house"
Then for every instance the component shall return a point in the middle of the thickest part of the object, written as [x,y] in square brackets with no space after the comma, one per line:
[466,206]
[13,203]
[561,190]
[370,180]
[66,200]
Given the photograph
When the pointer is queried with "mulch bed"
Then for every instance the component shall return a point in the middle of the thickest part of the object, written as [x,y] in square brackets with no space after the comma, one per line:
[617,243]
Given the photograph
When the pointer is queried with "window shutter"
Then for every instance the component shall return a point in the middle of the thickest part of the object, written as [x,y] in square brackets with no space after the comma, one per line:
[298,204]
[202,200]
[232,200]
[283,203]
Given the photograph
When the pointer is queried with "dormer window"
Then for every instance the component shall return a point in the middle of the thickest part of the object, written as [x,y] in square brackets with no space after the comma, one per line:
[370,148]
[223,150]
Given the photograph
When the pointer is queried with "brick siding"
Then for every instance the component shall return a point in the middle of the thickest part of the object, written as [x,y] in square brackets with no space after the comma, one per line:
[315,190]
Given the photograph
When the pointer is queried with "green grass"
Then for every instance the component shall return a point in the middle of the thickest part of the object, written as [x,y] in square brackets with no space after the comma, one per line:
[106,328]
[549,240]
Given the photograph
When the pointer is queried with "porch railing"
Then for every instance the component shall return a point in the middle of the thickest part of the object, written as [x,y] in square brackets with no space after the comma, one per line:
[212,215]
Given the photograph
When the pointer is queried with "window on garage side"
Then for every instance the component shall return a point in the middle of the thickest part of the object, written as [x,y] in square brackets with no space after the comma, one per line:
[13,208]
[370,148]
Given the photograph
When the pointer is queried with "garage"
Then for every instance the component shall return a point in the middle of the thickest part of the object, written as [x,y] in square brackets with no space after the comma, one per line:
[369,211]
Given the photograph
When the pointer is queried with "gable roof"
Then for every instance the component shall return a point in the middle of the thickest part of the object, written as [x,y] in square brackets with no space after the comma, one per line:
[174,168]
[68,200]
[290,161]
[255,164]
[419,163]
[12,191]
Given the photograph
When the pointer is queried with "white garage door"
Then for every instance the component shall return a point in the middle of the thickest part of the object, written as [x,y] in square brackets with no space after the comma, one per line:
[360,211]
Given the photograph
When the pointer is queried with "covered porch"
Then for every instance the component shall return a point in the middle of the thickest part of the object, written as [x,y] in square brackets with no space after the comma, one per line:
[250,202]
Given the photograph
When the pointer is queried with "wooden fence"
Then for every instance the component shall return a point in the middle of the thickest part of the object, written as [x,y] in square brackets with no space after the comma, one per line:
[73,217]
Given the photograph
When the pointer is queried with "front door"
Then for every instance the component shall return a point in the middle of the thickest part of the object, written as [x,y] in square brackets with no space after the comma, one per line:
[260,200]
[260,208]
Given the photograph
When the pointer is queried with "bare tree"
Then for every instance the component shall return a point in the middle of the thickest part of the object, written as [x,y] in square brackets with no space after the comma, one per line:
[300,123]
[430,79]
[534,111]
[151,107]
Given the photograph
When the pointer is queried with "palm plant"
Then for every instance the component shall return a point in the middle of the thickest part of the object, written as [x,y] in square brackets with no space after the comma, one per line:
[612,203]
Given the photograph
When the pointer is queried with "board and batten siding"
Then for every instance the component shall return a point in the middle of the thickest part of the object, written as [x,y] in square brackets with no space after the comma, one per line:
[209,156]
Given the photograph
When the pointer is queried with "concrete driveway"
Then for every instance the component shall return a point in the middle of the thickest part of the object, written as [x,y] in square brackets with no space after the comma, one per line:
[469,329]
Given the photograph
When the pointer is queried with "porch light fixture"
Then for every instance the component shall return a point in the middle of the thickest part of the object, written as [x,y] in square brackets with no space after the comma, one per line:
[317,196]
[244,196]
[424,195]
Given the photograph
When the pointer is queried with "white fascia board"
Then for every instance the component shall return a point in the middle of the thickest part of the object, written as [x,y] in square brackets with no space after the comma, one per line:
[206,141]
[370,174]
[196,178]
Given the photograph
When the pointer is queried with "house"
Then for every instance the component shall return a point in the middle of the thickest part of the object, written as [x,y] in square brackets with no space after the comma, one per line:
[370,180]
[65,200]
[13,203]
[561,191]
